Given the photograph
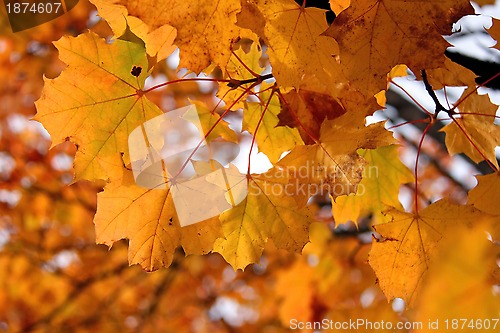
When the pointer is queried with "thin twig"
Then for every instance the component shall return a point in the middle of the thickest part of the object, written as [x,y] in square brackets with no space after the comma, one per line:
[430,91]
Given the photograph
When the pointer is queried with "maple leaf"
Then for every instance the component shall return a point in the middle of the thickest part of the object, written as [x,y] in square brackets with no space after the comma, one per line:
[210,124]
[376,35]
[306,110]
[450,74]
[95,102]
[485,195]
[379,186]
[332,164]
[147,217]
[269,211]
[474,134]
[296,48]
[159,42]
[408,243]
[261,120]
[205,29]
[238,69]
[49,260]
[464,265]
[485,198]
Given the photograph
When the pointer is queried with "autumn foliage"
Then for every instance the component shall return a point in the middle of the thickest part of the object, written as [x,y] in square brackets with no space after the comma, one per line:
[350,209]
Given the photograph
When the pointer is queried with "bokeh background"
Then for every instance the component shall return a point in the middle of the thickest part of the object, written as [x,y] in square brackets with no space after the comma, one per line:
[54,278]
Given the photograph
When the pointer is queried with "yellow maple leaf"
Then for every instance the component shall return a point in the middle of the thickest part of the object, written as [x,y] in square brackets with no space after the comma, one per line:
[450,74]
[205,29]
[408,243]
[485,197]
[479,135]
[95,101]
[376,35]
[159,41]
[332,164]
[463,266]
[237,69]
[378,188]
[269,211]
[261,120]
[211,125]
[147,217]
[296,48]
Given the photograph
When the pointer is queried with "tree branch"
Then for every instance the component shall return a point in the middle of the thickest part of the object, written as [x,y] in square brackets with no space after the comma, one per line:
[430,91]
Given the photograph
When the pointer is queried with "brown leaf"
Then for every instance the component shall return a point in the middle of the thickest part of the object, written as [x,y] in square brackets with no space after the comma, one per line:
[376,35]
